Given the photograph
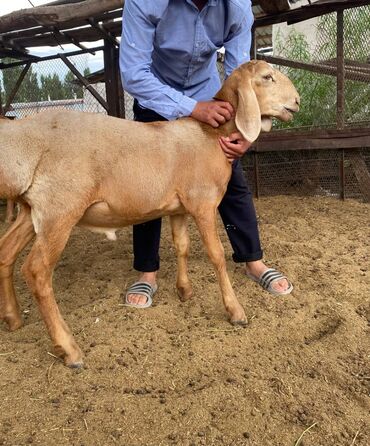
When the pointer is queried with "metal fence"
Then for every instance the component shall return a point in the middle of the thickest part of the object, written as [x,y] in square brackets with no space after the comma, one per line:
[334,173]
[320,48]
[328,173]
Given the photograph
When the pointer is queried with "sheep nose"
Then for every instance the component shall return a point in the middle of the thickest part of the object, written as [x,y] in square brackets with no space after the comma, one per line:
[297,100]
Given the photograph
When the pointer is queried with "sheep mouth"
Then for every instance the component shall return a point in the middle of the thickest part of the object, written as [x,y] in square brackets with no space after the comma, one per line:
[286,113]
[290,111]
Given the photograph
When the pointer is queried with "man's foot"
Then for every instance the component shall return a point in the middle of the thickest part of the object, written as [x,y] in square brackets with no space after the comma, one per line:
[278,284]
[138,299]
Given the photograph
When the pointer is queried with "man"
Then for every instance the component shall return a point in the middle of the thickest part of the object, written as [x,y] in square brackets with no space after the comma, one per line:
[168,60]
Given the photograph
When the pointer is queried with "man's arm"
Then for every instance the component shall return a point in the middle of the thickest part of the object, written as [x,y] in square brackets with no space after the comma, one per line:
[138,30]
[238,45]
[237,51]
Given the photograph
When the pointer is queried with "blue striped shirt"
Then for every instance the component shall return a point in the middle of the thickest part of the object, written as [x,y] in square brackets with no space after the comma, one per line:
[168,50]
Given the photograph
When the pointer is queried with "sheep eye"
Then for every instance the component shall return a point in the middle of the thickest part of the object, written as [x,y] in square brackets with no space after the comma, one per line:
[268,77]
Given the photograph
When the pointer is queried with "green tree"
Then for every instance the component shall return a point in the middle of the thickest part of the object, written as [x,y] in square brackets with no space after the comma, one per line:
[29,91]
[72,87]
[52,88]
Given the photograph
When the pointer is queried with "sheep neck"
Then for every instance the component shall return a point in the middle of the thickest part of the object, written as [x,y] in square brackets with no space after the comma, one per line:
[227,94]
[228,128]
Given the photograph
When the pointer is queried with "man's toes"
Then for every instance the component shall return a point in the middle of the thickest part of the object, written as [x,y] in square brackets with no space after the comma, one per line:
[281,285]
[133,299]
[136,299]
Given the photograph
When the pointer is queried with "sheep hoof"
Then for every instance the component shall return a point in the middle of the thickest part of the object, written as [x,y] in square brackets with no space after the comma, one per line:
[184,293]
[73,363]
[73,359]
[13,322]
[76,365]
[239,323]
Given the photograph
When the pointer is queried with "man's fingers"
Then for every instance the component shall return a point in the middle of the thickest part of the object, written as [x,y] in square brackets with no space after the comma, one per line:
[220,114]
[213,113]
[212,122]
[229,154]
[220,118]
[226,112]
[231,148]
[227,106]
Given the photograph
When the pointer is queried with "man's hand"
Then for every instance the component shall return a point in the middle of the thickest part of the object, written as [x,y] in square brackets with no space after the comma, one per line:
[213,113]
[234,146]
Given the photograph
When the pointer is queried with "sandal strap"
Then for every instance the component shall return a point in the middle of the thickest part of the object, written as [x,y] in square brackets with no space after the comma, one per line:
[139,287]
[144,289]
[270,276]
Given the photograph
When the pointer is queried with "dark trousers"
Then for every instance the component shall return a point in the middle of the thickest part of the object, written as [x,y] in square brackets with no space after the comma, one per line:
[236,210]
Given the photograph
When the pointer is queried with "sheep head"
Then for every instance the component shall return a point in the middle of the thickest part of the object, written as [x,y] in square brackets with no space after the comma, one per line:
[258,93]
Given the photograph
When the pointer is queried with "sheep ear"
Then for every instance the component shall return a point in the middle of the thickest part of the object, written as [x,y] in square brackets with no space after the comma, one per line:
[248,115]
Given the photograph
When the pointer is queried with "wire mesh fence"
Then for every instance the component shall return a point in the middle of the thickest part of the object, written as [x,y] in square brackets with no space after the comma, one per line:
[49,85]
[318,45]
[308,173]
[315,42]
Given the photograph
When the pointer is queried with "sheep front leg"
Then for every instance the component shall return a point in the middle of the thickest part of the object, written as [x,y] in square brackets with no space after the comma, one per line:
[181,241]
[11,244]
[207,225]
[38,270]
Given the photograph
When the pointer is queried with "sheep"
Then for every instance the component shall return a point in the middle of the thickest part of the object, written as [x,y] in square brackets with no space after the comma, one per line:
[103,173]
[9,215]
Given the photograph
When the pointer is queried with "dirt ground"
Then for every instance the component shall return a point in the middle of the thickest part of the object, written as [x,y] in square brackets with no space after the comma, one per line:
[179,373]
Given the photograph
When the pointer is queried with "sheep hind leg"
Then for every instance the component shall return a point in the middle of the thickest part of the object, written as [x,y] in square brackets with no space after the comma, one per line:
[181,241]
[207,225]
[38,269]
[12,243]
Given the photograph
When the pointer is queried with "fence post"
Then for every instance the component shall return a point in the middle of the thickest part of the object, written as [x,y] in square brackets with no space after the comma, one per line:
[253,52]
[111,72]
[340,71]
[16,88]
[342,175]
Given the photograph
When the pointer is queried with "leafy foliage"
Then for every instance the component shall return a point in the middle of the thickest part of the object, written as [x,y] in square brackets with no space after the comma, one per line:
[29,91]
[318,91]
[43,88]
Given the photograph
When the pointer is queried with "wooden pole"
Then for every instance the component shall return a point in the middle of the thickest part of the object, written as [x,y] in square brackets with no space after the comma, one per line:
[56,15]
[340,71]
[111,78]
[342,175]
[253,52]
[104,33]
[62,2]
[84,82]
[56,31]
[35,59]
[360,73]
[361,172]
[16,88]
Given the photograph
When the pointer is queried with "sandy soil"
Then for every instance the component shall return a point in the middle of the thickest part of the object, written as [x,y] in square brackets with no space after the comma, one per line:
[178,373]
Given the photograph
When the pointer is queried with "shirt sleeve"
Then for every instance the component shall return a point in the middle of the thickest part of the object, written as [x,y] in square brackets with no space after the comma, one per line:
[238,44]
[138,31]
